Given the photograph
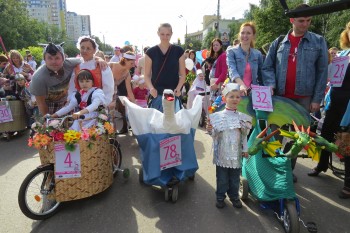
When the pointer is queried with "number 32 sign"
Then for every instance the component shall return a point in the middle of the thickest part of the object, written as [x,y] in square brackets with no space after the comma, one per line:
[170,152]
[67,162]
[261,97]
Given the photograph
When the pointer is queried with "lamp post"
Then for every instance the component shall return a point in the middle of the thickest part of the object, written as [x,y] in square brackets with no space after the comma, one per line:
[181,17]
[104,41]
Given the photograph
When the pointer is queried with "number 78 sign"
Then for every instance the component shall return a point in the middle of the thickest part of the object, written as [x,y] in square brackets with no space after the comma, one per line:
[261,97]
[170,152]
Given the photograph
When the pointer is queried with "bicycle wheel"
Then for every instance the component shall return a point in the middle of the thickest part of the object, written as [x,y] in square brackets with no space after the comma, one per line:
[290,218]
[116,156]
[336,164]
[36,197]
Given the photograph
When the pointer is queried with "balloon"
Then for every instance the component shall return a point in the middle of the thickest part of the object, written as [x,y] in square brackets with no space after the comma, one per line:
[199,56]
[204,53]
[189,64]
[127,43]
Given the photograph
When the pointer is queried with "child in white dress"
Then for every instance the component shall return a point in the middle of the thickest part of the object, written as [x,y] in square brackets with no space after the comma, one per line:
[229,129]
[87,100]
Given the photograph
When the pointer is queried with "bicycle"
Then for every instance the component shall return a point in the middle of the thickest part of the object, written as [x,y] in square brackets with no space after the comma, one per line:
[37,195]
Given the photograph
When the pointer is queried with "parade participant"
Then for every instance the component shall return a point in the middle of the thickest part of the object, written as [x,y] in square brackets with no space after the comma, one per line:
[218,72]
[229,129]
[3,62]
[140,92]
[117,54]
[339,99]
[164,67]
[50,82]
[18,66]
[31,61]
[88,47]
[122,84]
[141,64]
[296,67]
[198,86]
[22,93]
[88,99]
[244,62]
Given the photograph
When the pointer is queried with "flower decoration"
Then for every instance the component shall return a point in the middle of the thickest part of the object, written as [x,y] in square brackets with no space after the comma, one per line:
[54,131]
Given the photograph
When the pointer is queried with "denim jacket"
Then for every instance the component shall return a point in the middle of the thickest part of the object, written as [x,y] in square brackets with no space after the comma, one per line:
[311,71]
[236,62]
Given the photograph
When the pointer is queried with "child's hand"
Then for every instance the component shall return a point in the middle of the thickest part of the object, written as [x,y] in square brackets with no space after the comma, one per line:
[76,115]
[209,126]
[245,154]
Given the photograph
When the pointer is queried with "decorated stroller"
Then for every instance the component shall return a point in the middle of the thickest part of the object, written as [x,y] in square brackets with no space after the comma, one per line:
[166,143]
[267,173]
[12,117]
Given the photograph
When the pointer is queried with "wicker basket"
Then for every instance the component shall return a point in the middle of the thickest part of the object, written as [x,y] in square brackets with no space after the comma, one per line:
[96,171]
[18,114]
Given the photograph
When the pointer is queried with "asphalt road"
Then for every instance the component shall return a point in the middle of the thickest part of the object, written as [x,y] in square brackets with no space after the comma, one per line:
[128,206]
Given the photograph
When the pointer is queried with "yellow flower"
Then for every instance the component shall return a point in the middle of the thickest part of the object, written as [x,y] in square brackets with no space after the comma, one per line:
[108,127]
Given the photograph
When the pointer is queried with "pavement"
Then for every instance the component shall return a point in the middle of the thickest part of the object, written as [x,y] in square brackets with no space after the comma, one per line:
[128,206]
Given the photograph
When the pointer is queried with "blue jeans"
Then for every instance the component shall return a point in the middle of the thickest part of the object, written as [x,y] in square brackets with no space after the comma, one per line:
[227,181]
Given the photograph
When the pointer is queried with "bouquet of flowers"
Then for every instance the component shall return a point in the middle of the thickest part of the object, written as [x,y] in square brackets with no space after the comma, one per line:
[46,132]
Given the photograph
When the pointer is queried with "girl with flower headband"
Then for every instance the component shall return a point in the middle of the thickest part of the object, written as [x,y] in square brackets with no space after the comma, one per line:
[229,129]
[87,100]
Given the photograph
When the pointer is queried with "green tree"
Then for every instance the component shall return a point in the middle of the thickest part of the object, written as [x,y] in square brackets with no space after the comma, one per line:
[208,39]
[266,19]
[192,44]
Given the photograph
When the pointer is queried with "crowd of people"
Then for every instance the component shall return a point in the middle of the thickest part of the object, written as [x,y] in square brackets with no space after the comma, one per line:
[296,67]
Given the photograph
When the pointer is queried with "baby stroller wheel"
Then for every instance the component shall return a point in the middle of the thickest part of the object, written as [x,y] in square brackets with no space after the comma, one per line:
[167,195]
[141,175]
[243,188]
[174,193]
[290,217]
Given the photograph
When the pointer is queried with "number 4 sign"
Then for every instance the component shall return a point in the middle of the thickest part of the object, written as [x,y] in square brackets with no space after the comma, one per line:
[67,162]
[261,97]
[170,152]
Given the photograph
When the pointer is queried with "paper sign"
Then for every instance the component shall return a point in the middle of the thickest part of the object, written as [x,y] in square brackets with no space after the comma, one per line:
[67,162]
[5,114]
[338,70]
[261,97]
[170,152]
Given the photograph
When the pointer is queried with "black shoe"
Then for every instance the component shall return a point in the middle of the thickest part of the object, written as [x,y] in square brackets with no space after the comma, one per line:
[220,204]
[343,195]
[295,179]
[314,172]
[237,203]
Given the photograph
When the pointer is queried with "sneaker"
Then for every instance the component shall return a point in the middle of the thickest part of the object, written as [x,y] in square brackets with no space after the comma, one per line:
[237,203]
[220,204]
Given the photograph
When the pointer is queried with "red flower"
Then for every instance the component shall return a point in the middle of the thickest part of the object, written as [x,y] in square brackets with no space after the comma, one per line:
[30,142]
[59,136]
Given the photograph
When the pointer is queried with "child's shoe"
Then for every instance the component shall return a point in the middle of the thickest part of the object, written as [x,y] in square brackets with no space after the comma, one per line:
[237,203]
[220,204]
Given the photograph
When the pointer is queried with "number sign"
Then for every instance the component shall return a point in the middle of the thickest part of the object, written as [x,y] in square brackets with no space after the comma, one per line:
[261,96]
[5,114]
[338,69]
[67,162]
[170,152]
